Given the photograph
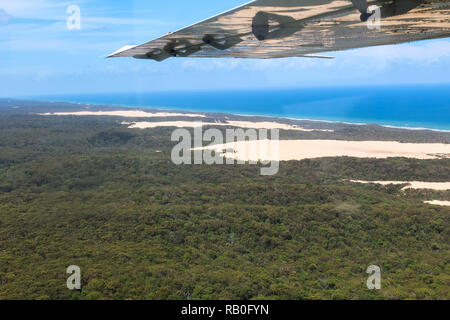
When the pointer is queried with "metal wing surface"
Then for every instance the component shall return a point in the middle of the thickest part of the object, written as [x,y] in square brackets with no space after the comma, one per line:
[265,29]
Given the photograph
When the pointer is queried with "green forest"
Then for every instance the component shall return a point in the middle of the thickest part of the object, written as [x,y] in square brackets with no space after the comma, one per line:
[87,191]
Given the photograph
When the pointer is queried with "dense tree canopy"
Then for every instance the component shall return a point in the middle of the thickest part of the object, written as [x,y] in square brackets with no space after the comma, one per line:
[87,192]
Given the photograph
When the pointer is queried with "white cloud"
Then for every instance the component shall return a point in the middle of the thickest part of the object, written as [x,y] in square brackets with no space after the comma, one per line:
[56,11]
[424,51]
[4,17]
[44,9]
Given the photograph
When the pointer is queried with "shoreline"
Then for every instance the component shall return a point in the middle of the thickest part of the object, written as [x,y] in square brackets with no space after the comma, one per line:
[281,117]
[188,112]
[350,123]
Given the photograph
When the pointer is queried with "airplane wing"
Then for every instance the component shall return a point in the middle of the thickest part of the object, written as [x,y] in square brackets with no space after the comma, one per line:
[264,29]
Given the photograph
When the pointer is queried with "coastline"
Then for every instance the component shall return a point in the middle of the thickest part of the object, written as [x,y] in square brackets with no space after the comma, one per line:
[223,113]
[191,111]
[403,106]
[350,123]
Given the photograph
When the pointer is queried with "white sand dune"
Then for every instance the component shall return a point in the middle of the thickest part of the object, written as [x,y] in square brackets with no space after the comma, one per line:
[309,149]
[438,202]
[442,186]
[126,114]
[240,124]
[179,124]
[150,125]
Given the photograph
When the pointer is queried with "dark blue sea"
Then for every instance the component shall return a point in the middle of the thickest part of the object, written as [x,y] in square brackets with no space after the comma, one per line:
[418,106]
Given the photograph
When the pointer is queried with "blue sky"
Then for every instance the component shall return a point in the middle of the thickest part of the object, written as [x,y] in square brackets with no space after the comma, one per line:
[39,55]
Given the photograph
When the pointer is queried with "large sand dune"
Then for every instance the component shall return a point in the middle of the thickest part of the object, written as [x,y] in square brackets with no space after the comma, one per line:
[309,149]
[442,186]
[438,202]
[180,124]
[229,123]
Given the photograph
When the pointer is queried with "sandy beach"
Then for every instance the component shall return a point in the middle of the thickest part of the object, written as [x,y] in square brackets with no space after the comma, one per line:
[126,114]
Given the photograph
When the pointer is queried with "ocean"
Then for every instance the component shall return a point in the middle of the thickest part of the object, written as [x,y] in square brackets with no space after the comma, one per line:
[418,106]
